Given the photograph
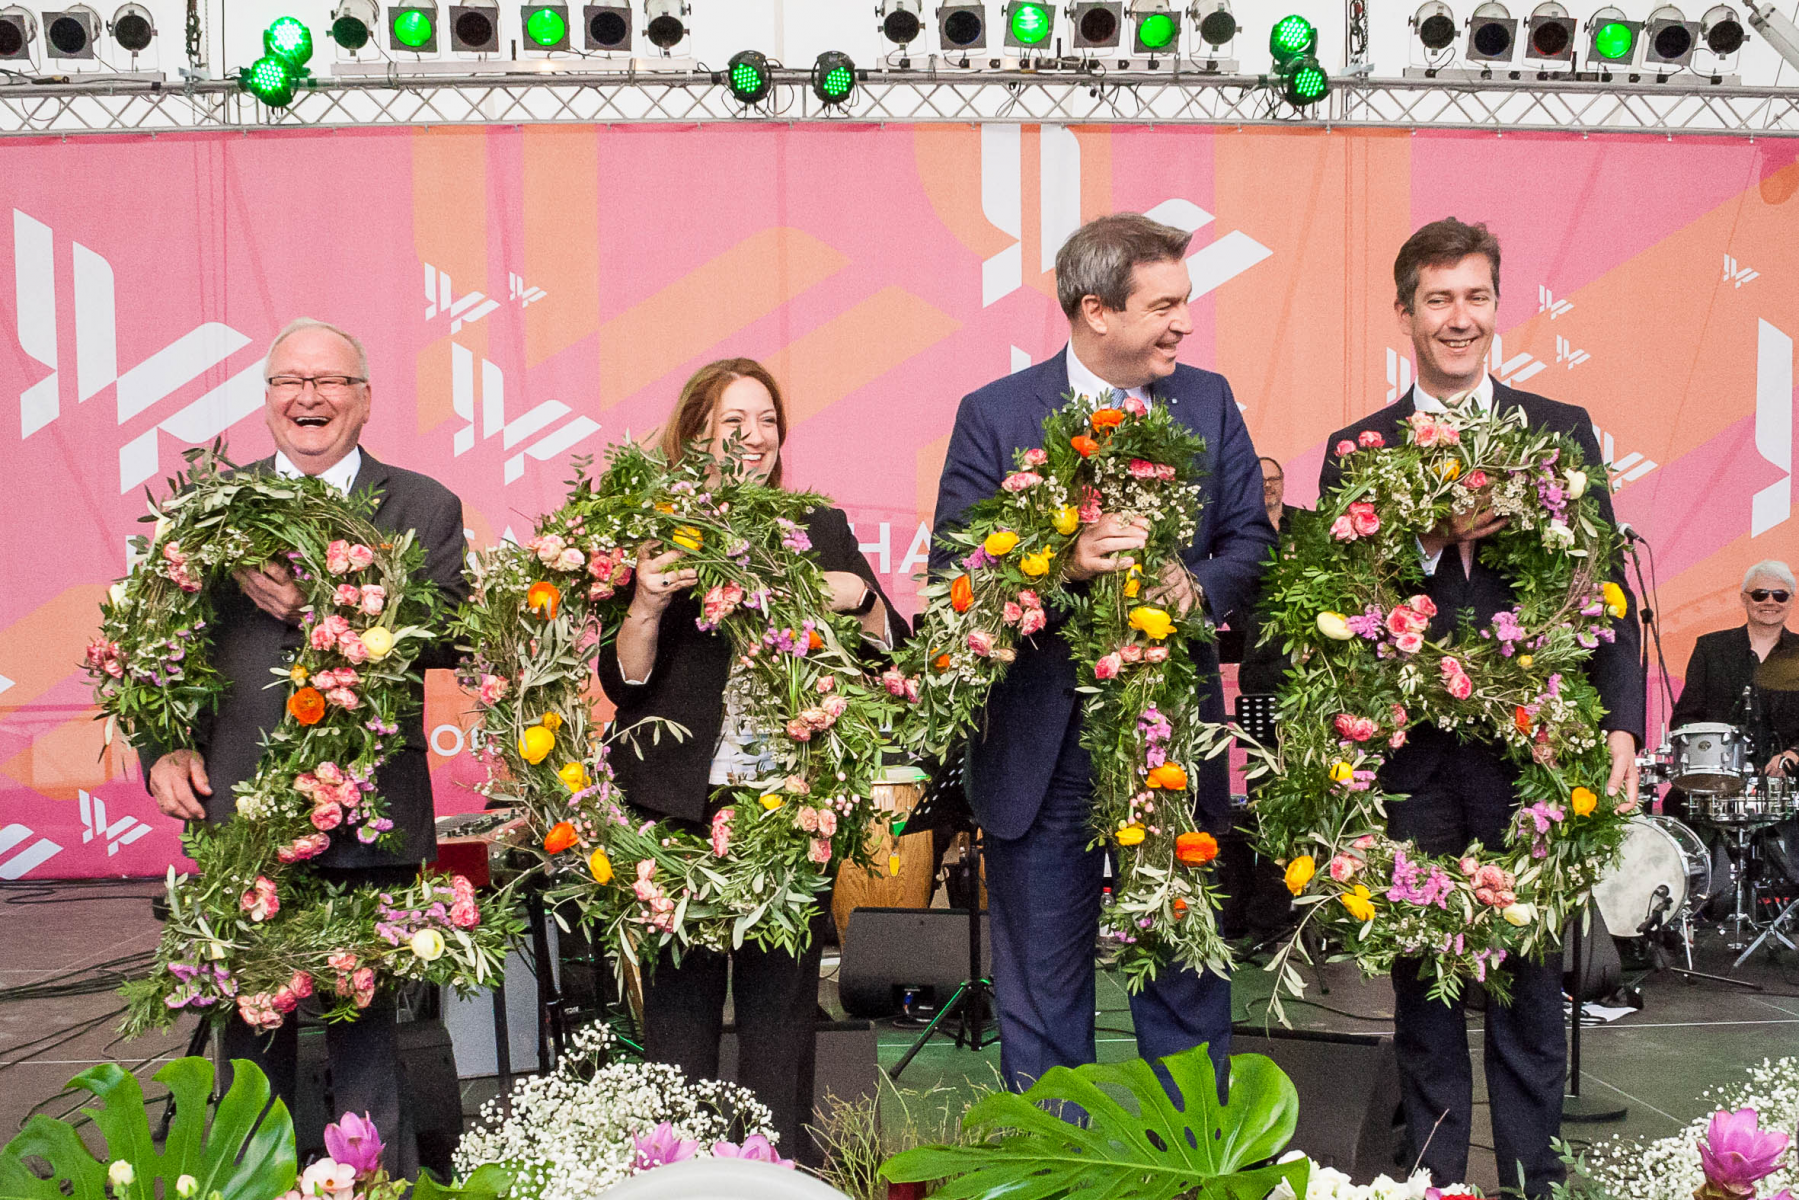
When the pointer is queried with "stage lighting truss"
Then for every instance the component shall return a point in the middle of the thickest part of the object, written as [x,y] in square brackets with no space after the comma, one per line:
[18,29]
[961,28]
[353,24]
[71,33]
[1096,24]
[475,27]
[133,28]
[748,77]
[1492,34]
[1030,25]
[901,21]
[1669,40]
[1155,30]
[1612,38]
[606,26]
[1549,36]
[665,24]
[545,26]
[412,28]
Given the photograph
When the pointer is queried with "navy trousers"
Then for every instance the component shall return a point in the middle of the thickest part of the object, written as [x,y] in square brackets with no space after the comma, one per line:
[1043,900]
[1470,795]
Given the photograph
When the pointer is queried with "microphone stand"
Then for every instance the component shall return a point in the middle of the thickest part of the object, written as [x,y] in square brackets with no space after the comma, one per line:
[1578,1109]
[1646,614]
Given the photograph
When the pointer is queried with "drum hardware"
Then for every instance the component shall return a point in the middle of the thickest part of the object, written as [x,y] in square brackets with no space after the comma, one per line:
[1778,851]
[1773,930]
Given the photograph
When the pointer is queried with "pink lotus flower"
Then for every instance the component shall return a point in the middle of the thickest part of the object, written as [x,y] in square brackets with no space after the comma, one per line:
[1736,1154]
[662,1147]
[1108,667]
[755,1148]
[1019,481]
[354,1142]
[1031,622]
[1371,440]
[1362,515]
[981,643]
[1345,448]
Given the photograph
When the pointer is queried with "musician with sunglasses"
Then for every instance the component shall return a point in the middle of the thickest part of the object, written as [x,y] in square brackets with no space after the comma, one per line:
[1720,679]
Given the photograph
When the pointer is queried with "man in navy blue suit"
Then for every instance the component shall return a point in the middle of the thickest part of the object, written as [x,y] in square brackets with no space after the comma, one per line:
[1456,791]
[1122,281]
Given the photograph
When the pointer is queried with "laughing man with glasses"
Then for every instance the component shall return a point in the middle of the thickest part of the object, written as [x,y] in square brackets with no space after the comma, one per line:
[1720,680]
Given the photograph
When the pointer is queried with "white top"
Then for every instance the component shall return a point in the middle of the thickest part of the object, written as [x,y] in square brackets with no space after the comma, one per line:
[1424,402]
[340,474]
[1084,382]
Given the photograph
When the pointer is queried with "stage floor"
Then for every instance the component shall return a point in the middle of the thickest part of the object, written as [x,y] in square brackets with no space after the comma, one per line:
[1658,1061]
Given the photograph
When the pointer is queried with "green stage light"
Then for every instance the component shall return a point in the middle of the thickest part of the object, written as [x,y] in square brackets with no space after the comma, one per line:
[1028,23]
[271,80]
[414,28]
[1291,37]
[748,76]
[833,77]
[289,40]
[1304,81]
[1613,40]
[1157,31]
[547,26]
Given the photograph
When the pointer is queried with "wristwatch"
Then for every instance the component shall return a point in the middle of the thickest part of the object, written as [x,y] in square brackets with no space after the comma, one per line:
[868,602]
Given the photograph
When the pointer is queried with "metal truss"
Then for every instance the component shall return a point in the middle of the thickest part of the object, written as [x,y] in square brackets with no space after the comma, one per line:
[1684,105]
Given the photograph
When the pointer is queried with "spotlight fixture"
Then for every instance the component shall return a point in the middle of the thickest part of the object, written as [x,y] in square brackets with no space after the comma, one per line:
[1492,34]
[962,27]
[900,22]
[1029,24]
[833,78]
[133,28]
[18,29]
[1304,82]
[353,23]
[1158,27]
[1434,24]
[545,26]
[1217,26]
[1292,37]
[475,27]
[71,33]
[270,80]
[1612,40]
[664,23]
[749,77]
[1777,29]
[413,27]
[288,39]
[1670,39]
[1549,35]
[1097,24]
[607,26]
[1721,30]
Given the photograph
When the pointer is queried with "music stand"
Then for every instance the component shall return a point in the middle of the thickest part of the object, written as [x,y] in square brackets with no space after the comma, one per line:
[945,806]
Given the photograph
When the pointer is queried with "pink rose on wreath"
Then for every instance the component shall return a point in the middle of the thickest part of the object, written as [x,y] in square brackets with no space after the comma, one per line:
[1397,740]
[362,984]
[1409,643]
[464,914]
[1423,605]
[341,960]
[1011,614]
[1345,448]
[1468,864]
[325,634]
[492,689]
[348,595]
[799,731]
[352,647]
[912,691]
[1031,622]
[807,818]
[1365,842]
[721,831]
[1362,515]
[1455,679]
[1155,654]
[1371,440]
[1134,406]
[1356,729]
[344,698]
[1142,469]
[1399,714]
[337,557]
[981,643]
[1343,867]
[570,559]
[1019,481]
[1131,654]
[1475,480]
[374,599]
[827,822]
[259,901]
[1108,666]
[1406,619]
[1090,501]
[1035,457]
[820,851]
[259,1011]
[327,815]
[1493,886]
[894,681]
[816,719]
[1343,529]
[300,985]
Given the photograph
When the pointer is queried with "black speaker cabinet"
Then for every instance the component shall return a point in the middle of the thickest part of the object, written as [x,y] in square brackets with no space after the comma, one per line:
[887,951]
[427,1079]
[844,1061]
[1348,1094]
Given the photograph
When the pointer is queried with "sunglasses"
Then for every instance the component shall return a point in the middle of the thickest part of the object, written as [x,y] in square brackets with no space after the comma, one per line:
[1778,595]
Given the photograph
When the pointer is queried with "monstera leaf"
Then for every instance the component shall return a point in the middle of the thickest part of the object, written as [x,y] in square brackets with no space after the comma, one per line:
[489,1182]
[1153,1153]
[237,1159]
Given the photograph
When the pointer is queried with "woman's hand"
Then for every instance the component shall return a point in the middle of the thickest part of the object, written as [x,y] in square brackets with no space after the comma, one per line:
[844,590]
[659,577]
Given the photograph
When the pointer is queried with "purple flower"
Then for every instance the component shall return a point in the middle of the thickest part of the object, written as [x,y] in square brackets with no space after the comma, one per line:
[354,1142]
[978,559]
[755,1148]
[662,1147]
[1735,1154]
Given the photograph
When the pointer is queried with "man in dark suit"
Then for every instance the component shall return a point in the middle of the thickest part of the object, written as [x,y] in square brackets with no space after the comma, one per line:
[316,405]
[1123,283]
[1447,277]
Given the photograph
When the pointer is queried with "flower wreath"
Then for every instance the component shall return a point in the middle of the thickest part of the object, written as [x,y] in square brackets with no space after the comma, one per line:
[539,614]
[1140,721]
[255,926]
[1361,682]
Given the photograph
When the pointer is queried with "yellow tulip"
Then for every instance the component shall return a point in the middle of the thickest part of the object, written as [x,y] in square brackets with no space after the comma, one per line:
[535,744]
[999,543]
[1524,660]
[1133,582]
[1449,468]
[1036,563]
[665,508]
[1342,772]
[1615,602]
[379,640]
[1359,903]
[1335,626]
[551,721]
[771,801]
[1299,873]
[1131,835]
[1583,801]
[1153,621]
[574,777]
[599,866]
[687,536]
[1066,520]
[297,673]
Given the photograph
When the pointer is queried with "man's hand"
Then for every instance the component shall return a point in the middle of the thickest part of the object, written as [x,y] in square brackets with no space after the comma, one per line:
[1461,531]
[1103,546]
[1624,769]
[174,779]
[271,588]
[1176,588]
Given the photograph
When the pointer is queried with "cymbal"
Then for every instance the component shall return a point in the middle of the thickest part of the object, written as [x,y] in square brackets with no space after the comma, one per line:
[1779,672]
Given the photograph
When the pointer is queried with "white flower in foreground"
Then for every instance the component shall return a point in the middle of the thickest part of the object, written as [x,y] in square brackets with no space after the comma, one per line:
[121,1174]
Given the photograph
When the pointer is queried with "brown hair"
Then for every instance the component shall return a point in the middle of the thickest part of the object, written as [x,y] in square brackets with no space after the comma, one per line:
[699,401]
[1098,258]
[1441,244]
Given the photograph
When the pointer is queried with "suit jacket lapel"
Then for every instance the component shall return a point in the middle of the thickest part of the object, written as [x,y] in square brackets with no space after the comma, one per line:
[370,476]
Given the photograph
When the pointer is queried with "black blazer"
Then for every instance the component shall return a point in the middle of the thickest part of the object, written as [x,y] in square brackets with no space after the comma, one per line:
[687,686]
[247,644]
[1723,664]
[1615,668]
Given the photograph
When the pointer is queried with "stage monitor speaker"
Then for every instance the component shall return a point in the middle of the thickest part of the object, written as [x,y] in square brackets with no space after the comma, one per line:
[846,1055]
[1348,1095]
[888,951]
[427,1079]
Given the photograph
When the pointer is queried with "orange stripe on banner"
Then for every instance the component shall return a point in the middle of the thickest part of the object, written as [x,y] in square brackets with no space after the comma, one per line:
[855,348]
[929,465]
[690,316]
[68,757]
[44,647]
[948,160]
[562,237]
[449,233]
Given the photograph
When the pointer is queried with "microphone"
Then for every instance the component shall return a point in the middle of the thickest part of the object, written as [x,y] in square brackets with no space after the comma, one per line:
[1629,532]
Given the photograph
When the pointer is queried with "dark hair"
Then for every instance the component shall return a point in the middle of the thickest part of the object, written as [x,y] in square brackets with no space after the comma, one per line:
[699,401]
[1277,464]
[1097,259]
[1441,244]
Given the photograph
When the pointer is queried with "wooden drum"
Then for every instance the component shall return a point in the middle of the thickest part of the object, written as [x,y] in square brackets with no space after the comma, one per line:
[905,883]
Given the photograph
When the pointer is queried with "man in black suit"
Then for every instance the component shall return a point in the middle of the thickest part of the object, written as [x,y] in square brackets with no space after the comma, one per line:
[1447,276]
[316,405]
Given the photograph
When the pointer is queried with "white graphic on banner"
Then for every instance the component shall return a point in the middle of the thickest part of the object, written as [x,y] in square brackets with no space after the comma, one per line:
[1547,303]
[493,415]
[1565,352]
[121,832]
[1399,375]
[917,553]
[440,300]
[34,855]
[1738,274]
[1773,426]
[138,389]
[1627,469]
[1210,267]
[524,293]
[1002,203]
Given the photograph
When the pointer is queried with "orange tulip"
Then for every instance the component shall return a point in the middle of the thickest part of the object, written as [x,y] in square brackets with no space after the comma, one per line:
[1084,444]
[1170,776]
[1180,908]
[560,837]
[307,706]
[1521,718]
[961,593]
[544,597]
[1195,849]
[813,641]
[941,662]
[1107,418]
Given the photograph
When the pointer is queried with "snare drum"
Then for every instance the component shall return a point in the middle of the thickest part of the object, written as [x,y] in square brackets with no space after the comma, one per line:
[1709,759]
[1762,802]
[1659,853]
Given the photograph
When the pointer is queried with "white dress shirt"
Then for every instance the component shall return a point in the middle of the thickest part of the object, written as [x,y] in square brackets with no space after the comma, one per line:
[1424,402]
[1084,382]
[340,474]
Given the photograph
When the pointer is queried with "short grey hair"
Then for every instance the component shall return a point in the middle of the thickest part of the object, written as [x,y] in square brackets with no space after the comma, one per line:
[304,323]
[1771,567]
[1097,259]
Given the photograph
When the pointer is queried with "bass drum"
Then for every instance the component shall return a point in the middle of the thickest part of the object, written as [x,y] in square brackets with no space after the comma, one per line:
[1660,857]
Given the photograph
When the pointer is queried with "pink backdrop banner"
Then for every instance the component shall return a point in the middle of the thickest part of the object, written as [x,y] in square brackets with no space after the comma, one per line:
[531,294]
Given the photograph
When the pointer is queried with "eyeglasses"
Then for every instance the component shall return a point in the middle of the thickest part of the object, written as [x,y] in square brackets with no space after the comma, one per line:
[1778,595]
[331,387]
